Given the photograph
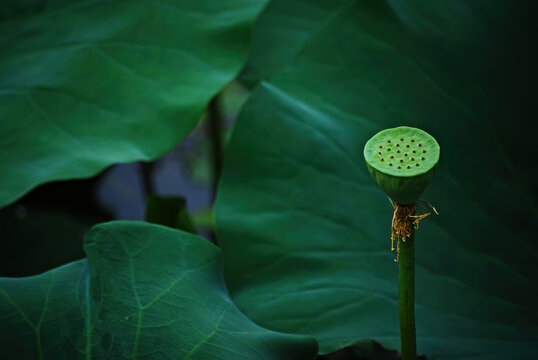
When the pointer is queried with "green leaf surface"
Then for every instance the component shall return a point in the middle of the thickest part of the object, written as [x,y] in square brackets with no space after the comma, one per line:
[86,84]
[282,29]
[306,237]
[145,292]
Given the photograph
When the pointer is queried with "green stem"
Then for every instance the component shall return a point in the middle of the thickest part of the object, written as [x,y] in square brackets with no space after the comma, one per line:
[406,293]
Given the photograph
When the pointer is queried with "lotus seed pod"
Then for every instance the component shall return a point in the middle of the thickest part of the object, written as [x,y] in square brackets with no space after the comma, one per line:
[402,161]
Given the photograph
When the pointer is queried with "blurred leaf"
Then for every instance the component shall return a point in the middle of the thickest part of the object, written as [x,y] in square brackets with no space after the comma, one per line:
[232,99]
[145,292]
[304,229]
[169,211]
[86,84]
[204,218]
[196,157]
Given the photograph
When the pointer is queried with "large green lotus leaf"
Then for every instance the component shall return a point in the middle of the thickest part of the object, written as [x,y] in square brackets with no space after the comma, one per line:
[86,84]
[306,232]
[281,30]
[145,292]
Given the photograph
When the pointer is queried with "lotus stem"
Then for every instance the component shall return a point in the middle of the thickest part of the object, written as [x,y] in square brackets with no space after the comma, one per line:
[406,297]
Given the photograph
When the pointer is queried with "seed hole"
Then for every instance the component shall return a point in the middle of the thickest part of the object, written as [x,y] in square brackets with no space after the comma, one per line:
[399,167]
[380,146]
[414,151]
[388,149]
[382,159]
[409,167]
[420,145]
[397,145]
[388,141]
[407,145]
[418,164]
[401,139]
[405,154]
[401,160]
[412,140]
[392,157]
[398,151]
[412,159]
[423,158]
[424,151]
[390,164]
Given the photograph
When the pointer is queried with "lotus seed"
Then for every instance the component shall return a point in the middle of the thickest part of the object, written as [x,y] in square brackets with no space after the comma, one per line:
[382,161]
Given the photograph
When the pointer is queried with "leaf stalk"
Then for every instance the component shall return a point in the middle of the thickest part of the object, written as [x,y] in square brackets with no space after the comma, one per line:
[406,296]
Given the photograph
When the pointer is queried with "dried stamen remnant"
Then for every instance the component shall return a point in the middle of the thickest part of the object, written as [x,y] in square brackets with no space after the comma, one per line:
[404,220]
[402,224]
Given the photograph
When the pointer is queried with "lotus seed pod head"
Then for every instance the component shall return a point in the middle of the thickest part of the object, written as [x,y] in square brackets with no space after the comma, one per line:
[402,161]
